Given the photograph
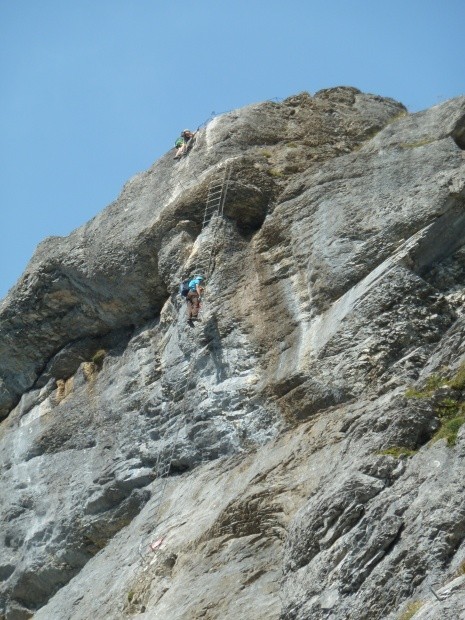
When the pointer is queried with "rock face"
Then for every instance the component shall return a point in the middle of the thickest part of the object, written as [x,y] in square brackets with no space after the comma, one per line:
[296,454]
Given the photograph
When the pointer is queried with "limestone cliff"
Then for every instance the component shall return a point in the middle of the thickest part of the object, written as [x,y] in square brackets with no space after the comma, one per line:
[296,454]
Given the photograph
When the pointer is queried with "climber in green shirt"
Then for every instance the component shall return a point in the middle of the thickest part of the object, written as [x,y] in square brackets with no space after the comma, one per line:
[183,143]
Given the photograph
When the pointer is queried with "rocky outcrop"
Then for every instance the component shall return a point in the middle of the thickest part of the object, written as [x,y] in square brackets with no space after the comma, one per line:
[305,476]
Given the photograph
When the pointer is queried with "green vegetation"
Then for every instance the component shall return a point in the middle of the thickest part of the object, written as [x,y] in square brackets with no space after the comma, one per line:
[460,570]
[130,595]
[433,383]
[98,358]
[458,380]
[448,408]
[413,393]
[411,610]
[397,452]
[451,415]
[451,412]
[449,429]
[266,153]
[292,145]
[274,172]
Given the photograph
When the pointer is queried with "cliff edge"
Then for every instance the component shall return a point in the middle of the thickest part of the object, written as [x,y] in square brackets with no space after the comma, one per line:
[295,454]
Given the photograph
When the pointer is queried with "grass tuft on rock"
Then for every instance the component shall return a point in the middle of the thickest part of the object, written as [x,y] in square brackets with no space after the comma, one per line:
[452,416]
[449,430]
[275,172]
[98,358]
[450,411]
[458,380]
[461,570]
[411,610]
[432,383]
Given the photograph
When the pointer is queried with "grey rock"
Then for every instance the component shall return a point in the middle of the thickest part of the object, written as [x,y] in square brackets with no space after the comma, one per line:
[266,462]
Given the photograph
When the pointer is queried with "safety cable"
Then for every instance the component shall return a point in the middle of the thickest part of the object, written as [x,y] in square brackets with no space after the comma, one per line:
[214,208]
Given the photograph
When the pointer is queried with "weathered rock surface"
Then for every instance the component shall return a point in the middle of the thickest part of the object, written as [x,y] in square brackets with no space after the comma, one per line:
[338,281]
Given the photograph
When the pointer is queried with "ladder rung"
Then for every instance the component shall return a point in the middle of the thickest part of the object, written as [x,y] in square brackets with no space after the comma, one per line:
[217,191]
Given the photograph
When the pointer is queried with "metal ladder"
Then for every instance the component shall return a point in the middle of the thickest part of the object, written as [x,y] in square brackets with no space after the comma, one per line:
[216,196]
[214,207]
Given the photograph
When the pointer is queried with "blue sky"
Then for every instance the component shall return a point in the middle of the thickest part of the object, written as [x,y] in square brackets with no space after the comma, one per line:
[94,91]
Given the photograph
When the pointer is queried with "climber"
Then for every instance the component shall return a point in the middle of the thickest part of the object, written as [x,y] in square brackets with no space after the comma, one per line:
[193,297]
[183,143]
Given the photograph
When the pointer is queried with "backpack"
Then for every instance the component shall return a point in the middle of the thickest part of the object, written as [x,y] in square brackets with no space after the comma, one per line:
[184,288]
[179,142]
